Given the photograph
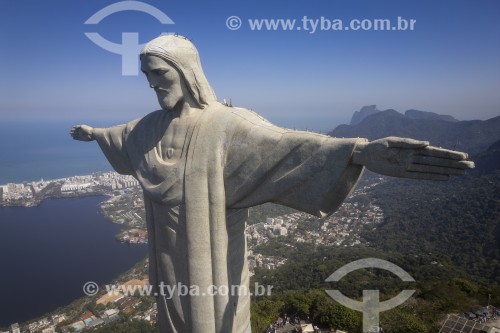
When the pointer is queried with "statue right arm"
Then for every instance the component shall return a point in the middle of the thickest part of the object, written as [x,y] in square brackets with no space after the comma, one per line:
[82,133]
[111,141]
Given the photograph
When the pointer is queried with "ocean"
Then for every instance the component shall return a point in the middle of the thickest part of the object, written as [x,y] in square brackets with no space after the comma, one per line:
[31,151]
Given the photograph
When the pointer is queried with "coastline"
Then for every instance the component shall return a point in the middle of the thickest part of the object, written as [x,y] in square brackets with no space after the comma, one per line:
[122,191]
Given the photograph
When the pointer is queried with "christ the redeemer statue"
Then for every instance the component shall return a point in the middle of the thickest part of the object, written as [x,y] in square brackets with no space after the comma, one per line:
[202,164]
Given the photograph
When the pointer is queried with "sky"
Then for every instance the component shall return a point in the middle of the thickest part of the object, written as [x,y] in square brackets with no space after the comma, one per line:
[449,63]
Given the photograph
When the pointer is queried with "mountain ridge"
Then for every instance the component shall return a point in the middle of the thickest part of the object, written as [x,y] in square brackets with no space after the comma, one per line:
[471,136]
[369,110]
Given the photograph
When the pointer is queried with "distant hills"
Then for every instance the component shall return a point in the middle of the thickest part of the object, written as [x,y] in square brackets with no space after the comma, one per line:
[473,137]
[365,111]
[417,114]
[459,218]
[369,110]
[489,160]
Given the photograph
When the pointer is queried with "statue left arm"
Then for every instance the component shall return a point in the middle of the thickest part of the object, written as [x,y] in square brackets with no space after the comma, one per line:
[306,171]
[408,158]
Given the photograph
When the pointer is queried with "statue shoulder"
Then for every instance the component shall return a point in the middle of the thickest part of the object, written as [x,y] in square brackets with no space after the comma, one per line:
[236,121]
[249,115]
[146,121]
[236,115]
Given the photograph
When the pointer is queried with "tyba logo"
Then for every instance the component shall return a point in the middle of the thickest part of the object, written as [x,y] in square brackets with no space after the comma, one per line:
[371,305]
[130,47]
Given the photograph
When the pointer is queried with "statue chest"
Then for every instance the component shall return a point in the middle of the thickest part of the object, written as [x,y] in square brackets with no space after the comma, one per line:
[173,141]
[162,169]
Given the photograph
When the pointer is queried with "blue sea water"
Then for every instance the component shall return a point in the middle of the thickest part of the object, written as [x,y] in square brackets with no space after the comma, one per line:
[48,252]
[30,151]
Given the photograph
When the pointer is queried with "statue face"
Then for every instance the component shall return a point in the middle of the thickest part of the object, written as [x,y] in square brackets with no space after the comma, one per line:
[165,80]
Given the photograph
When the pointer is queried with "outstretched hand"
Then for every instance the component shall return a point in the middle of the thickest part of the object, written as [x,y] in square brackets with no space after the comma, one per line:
[408,158]
[82,133]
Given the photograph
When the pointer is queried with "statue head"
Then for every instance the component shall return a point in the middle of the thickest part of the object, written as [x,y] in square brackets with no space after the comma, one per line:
[179,53]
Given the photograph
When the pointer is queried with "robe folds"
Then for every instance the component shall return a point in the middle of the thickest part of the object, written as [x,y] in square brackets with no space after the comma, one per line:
[196,206]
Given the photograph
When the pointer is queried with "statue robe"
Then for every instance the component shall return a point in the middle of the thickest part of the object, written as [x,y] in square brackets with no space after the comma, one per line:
[196,207]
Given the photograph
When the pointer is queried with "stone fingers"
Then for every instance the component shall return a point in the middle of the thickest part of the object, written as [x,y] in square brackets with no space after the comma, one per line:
[443,162]
[433,169]
[75,130]
[442,153]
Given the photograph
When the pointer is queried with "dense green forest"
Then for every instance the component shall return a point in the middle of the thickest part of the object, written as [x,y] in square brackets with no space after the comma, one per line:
[445,234]
[440,288]
[459,218]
